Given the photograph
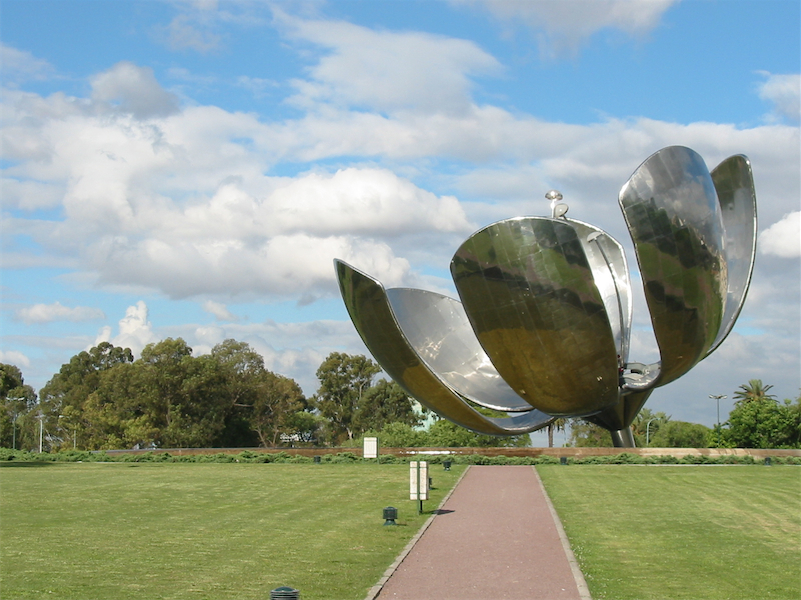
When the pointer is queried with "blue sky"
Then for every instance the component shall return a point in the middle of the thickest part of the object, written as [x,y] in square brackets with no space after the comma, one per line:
[191,168]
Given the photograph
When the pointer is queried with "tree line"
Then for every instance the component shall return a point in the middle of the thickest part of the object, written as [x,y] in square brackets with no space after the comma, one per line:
[167,398]
[757,420]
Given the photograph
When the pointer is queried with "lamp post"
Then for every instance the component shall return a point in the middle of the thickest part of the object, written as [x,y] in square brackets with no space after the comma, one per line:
[647,431]
[718,397]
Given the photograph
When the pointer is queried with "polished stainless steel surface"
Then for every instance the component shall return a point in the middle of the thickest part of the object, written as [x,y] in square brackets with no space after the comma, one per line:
[531,298]
[734,184]
[437,328]
[375,320]
[672,212]
[546,303]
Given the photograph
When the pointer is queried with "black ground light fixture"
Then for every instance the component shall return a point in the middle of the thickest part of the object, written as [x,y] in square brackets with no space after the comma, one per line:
[446,464]
[284,593]
[317,459]
[390,514]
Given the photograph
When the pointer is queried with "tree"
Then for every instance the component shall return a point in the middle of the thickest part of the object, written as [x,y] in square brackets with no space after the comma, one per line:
[753,390]
[556,425]
[763,422]
[344,379]
[584,434]
[18,402]
[680,434]
[277,402]
[384,403]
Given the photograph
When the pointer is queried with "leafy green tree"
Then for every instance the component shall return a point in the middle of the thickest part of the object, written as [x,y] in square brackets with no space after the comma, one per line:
[18,403]
[680,434]
[276,406]
[68,390]
[384,403]
[344,380]
[445,434]
[399,435]
[584,434]
[764,423]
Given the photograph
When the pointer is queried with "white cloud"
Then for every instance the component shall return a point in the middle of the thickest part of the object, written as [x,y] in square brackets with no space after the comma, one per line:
[134,90]
[783,238]
[20,65]
[784,92]
[46,313]
[388,71]
[13,357]
[135,331]
[219,311]
[565,24]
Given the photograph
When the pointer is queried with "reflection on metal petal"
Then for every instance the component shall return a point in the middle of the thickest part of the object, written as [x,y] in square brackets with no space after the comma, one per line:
[374,318]
[735,187]
[437,328]
[672,212]
[531,298]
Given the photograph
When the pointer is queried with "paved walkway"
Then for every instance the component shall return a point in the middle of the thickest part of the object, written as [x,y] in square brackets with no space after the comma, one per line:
[496,537]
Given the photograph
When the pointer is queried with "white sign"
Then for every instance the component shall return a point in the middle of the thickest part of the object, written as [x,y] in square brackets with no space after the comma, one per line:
[371,447]
[418,480]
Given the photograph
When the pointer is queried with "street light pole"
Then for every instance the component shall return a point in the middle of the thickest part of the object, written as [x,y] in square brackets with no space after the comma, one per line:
[718,397]
[647,431]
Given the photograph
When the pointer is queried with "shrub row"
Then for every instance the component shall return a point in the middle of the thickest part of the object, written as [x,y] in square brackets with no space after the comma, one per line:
[247,456]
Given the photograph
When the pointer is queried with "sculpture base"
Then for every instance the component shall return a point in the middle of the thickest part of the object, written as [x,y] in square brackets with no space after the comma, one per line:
[623,438]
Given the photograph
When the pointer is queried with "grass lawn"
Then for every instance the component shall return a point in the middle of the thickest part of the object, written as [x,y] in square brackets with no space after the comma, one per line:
[694,533]
[216,531]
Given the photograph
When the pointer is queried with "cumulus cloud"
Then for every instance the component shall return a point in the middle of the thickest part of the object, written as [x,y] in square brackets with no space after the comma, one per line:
[20,65]
[387,71]
[133,89]
[46,313]
[564,25]
[784,93]
[219,311]
[134,330]
[783,238]
[13,357]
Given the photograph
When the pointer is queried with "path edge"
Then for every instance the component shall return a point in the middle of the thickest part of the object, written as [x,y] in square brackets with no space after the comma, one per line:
[581,583]
[374,591]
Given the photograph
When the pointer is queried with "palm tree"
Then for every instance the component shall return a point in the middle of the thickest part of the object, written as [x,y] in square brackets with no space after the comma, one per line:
[557,425]
[754,391]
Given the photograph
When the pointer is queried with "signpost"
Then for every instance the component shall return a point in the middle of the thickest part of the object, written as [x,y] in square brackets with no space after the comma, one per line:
[370,447]
[418,482]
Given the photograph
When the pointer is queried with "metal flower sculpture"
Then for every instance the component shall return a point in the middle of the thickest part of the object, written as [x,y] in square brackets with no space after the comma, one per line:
[544,323]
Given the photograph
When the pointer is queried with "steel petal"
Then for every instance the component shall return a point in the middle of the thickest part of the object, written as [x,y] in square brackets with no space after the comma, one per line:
[734,184]
[437,328]
[672,212]
[374,319]
[531,298]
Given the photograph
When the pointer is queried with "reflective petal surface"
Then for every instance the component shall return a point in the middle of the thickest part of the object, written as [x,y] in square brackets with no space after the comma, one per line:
[672,211]
[734,184]
[529,292]
[437,328]
[373,316]
[610,270]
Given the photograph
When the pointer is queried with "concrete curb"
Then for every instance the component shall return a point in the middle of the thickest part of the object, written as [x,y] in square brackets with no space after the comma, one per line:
[374,591]
[581,584]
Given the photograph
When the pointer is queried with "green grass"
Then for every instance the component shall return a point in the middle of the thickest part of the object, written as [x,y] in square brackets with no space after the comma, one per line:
[695,533]
[216,531]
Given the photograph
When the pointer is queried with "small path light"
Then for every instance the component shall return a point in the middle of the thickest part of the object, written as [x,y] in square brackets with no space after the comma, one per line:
[284,593]
[317,459]
[767,461]
[446,464]
[563,460]
[390,514]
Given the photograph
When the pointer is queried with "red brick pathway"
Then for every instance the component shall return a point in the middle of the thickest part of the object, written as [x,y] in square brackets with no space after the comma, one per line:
[497,538]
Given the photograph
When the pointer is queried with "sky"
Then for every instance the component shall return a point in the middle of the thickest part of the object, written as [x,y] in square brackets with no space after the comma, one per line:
[191,169]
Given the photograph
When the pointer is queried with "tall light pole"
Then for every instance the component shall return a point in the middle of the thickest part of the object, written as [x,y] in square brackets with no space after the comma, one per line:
[647,431]
[718,397]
